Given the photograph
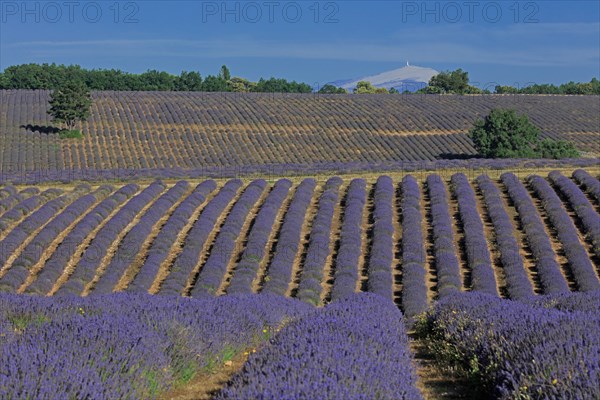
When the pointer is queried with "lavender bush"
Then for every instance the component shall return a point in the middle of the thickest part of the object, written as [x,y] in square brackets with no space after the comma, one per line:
[162,244]
[380,266]
[350,248]
[591,184]
[343,351]
[414,289]
[126,346]
[478,254]
[579,260]
[280,269]
[94,254]
[22,267]
[214,269]
[514,350]
[548,269]
[247,268]
[134,239]
[186,261]
[55,265]
[590,219]
[26,207]
[309,288]
[446,261]
[518,284]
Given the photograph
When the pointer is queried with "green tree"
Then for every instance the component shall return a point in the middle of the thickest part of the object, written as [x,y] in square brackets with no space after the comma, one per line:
[224,73]
[330,89]
[365,87]
[505,134]
[70,103]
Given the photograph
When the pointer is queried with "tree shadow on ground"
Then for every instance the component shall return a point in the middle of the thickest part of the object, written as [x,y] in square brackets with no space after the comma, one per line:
[40,128]
[457,156]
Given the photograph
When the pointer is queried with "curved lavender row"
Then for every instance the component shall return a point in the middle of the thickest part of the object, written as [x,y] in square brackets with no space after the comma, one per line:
[7,191]
[518,284]
[161,246]
[583,208]
[10,201]
[135,238]
[591,184]
[446,263]
[34,221]
[55,265]
[186,261]
[309,288]
[580,263]
[214,269]
[31,254]
[26,207]
[30,191]
[382,249]
[280,269]
[247,268]
[414,289]
[478,255]
[348,254]
[93,255]
[548,269]
[356,348]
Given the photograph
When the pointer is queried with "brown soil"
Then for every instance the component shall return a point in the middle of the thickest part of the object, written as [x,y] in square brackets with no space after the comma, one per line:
[366,239]
[427,228]
[434,381]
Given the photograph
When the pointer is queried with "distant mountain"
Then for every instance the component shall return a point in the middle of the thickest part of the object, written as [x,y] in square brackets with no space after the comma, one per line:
[410,78]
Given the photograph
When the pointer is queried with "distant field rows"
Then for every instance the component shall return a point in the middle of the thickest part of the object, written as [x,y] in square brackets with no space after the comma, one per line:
[410,240]
[195,130]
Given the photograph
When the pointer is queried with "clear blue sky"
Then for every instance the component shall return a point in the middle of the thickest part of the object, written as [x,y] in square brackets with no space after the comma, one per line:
[504,42]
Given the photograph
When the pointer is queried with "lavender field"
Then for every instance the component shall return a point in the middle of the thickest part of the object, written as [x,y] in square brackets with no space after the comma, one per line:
[287,288]
[213,133]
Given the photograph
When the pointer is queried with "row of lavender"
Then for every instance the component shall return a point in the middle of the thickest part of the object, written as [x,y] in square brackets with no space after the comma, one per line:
[98,242]
[273,170]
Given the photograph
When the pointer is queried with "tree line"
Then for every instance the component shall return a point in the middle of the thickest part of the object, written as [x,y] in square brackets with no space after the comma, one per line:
[53,76]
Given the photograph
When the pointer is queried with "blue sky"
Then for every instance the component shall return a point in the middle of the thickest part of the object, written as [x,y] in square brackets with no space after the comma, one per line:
[504,42]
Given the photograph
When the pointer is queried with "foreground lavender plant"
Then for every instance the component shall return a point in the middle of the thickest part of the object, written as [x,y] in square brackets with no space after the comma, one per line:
[514,350]
[344,351]
[125,346]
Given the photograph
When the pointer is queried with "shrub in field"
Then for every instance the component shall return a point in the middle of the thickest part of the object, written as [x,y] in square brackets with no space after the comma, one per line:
[505,134]
[513,350]
[343,351]
[126,346]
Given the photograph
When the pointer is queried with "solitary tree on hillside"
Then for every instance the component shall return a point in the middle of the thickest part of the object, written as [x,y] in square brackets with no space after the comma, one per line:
[70,103]
[505,134]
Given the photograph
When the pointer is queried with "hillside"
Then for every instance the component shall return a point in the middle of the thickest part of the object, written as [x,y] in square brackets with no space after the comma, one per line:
[141,130]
